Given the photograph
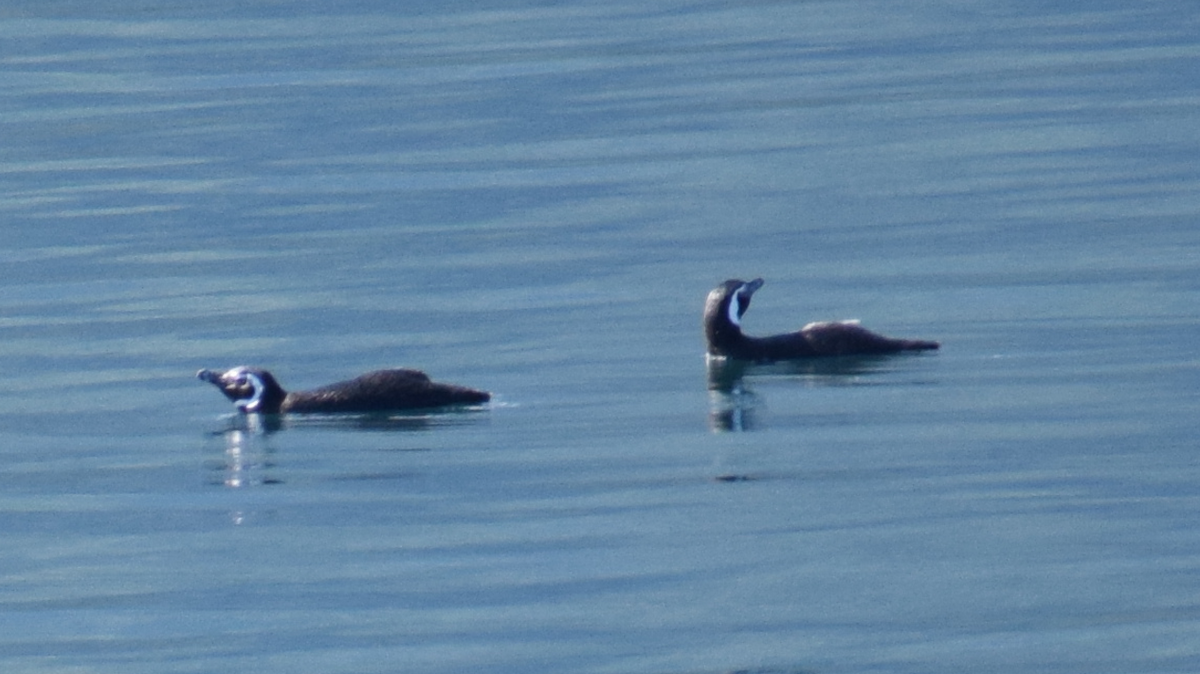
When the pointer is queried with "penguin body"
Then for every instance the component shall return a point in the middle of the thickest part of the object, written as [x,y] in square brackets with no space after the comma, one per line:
[254,390]
[728,302]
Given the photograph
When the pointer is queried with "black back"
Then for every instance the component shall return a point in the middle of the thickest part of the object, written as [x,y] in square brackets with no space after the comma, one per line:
[381,391]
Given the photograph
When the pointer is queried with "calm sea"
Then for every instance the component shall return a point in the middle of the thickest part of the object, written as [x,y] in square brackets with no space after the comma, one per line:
[534,198]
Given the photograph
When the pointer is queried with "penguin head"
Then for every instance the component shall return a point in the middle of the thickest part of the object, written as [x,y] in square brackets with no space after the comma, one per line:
[731,299]
[723,311]
[739,298]
[252,390]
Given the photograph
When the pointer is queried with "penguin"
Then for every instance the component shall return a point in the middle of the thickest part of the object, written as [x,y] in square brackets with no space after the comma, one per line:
[727,303]
[255,391]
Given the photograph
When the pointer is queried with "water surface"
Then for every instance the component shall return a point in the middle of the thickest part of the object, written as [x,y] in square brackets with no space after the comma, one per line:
[535,199]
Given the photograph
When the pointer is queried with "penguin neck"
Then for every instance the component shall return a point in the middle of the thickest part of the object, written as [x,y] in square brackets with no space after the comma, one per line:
[725,338]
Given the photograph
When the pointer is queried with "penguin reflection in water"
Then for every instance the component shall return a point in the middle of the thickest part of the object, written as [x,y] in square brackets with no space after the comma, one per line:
[255,391]
[806,351]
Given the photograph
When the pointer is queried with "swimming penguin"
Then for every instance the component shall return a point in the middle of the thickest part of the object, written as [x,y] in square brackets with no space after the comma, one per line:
[723,328]
[253,390]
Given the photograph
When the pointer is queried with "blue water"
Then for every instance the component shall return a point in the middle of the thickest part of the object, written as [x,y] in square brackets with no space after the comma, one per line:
[535,199]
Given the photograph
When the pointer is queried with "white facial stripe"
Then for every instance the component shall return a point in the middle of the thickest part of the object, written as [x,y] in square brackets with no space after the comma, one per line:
[735,307]
[255,400]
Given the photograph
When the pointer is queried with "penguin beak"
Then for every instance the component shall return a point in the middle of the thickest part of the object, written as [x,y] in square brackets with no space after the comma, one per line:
[209,376]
